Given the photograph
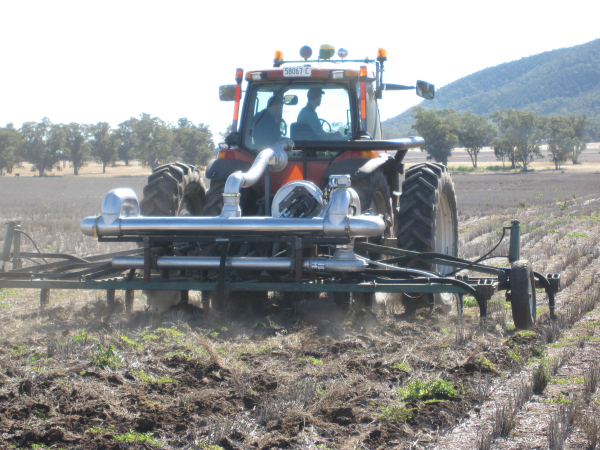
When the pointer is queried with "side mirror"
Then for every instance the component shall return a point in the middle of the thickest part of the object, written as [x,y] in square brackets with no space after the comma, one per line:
[425,90]
[227,93]
[290,99]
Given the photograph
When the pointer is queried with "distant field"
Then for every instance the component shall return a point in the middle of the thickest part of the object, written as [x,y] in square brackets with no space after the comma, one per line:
[590,159]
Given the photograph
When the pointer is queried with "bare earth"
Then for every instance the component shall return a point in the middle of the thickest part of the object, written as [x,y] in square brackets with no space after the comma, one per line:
[302,375]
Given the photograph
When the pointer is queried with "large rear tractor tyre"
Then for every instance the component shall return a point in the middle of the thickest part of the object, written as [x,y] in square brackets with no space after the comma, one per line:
[374,193]
[522,295]
[428,222]
[172,190]
[214,198]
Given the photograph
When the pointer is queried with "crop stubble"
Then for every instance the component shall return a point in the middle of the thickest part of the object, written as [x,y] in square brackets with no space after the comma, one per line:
[303,377]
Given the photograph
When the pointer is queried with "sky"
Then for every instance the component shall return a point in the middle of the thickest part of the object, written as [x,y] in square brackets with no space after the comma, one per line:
[89,61]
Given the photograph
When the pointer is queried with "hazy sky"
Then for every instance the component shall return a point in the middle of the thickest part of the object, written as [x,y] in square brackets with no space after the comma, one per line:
[91,61]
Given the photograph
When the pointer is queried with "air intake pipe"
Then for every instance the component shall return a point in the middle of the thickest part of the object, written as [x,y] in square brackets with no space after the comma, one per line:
[276,158]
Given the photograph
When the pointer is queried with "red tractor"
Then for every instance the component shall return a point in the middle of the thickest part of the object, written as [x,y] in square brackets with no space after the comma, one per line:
[323,114]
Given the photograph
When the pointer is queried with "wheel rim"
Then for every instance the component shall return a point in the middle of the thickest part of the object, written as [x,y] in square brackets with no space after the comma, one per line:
[444,233]
[444,243]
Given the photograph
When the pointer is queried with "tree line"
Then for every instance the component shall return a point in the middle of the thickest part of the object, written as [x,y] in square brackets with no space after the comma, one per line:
[147,139]
[515,135]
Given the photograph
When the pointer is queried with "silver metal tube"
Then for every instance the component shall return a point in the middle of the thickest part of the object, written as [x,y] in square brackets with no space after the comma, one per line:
[281,264]
[275,157]
[214,262]
[354,226]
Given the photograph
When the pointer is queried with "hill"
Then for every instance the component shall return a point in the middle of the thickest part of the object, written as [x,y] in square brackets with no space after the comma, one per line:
[557,82]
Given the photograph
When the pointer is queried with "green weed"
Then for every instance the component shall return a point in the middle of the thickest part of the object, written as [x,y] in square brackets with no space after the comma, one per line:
[541,378]
[431,389]
[395,413]
[147,379]
[402,366]
[486,364]
[525,333]
[81,338]
[21,350]
[558,399]
[133,437]
[4,293]
[106,357]
[147,336]
[469,302]
[99,430]
[264,349]
[131,343]
[514,354]
[170,333]
[576,234]
[310,359]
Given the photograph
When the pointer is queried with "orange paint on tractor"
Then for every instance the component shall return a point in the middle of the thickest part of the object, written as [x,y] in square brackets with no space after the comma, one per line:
[294,174]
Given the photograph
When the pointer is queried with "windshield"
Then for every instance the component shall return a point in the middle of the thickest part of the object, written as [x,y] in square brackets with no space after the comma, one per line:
[300,111]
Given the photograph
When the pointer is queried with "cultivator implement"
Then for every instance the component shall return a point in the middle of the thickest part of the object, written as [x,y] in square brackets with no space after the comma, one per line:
[152,266]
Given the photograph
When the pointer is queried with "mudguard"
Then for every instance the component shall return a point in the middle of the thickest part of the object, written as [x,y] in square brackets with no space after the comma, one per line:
[357,168]
[220,169]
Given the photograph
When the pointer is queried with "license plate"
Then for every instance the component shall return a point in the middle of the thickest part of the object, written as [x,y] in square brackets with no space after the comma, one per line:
[297,71]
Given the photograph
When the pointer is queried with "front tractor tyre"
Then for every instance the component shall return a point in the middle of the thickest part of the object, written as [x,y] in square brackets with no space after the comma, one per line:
[522,295]
[172,190]
[428,222]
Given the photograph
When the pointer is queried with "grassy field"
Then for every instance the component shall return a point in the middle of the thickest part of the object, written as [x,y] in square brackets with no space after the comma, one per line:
[306,376]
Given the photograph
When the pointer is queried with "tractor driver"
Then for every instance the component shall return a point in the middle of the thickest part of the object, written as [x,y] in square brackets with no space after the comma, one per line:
[267,123]
[308,115]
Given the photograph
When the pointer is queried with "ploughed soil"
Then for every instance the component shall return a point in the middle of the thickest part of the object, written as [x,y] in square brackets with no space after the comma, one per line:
[302,373]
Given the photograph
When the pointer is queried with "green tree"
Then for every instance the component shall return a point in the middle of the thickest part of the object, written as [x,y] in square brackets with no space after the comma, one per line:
[10,139]
[42,144]
[127,137]
[578,128]
[437,128]
[558,134]
[503,149]
[153,140]
[194,144]
[105,144]
[473,133]
[519,133]
[77,145]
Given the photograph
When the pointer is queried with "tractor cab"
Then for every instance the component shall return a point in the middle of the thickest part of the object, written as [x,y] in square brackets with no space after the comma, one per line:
[328,108]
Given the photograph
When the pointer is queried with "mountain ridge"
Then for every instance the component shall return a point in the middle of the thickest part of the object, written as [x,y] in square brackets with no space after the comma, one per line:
[557,82]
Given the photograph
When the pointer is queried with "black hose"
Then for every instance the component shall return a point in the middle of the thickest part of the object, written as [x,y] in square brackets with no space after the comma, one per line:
[450,281]
[34,244]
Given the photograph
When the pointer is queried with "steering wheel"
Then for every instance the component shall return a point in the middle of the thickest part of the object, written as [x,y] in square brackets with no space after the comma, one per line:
[283,127]
[323,121]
